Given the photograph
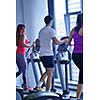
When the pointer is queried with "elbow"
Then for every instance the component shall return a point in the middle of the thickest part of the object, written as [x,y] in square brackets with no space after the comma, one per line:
[57,43]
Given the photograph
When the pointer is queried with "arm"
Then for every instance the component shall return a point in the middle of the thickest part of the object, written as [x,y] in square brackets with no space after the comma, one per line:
[81,31]
[22,39]
[70,37]
[54,38]
[57,42]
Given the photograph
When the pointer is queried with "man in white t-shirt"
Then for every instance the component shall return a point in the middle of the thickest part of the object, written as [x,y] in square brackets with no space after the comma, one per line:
[47,35]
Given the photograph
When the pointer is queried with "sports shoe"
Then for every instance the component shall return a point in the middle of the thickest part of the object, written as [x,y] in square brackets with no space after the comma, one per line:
[38,89]
[25,87]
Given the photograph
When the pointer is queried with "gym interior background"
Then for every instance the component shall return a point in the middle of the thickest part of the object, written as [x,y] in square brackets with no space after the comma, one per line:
[32,13]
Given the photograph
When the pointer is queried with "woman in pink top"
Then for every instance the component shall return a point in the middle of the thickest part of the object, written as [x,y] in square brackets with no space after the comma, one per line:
[21,43]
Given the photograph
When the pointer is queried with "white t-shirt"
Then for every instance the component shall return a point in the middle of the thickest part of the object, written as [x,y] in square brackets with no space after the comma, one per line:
[45,35]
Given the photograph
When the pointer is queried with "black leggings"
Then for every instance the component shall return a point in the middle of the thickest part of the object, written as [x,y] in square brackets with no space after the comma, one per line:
[78,60]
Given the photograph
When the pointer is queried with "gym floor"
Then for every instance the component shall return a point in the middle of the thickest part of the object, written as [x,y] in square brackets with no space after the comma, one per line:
[72,88]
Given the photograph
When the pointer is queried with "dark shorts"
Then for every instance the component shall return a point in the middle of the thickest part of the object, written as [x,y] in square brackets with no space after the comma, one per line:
[48,61]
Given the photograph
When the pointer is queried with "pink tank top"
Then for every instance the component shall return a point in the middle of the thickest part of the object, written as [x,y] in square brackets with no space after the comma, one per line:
[21,49]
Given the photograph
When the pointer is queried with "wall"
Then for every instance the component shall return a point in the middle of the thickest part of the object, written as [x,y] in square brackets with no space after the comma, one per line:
[19,12]
[31,13]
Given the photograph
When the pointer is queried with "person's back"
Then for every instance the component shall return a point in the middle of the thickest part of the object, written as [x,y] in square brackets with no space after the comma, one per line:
[22,49]
[21,43]
[78,42]
[77,55]
[45,35]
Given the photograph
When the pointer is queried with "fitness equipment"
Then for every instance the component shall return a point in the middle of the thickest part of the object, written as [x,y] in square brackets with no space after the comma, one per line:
[43,96]
[35,51]
[61,60]
[35,61]
[62,50]
[64,81]
[34,57]
[19,94]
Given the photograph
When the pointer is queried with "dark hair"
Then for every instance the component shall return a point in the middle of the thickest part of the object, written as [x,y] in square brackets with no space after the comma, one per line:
[47,19]
[79,22]
[19,27]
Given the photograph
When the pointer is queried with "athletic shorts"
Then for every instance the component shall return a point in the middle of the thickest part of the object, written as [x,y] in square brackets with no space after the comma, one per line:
[47,61]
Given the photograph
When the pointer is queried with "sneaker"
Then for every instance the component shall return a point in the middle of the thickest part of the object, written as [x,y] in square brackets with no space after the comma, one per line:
[38,89]
[25,87]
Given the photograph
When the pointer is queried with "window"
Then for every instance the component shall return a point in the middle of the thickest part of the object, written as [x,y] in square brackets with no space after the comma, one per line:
[73,7]
[65,19]
[60,10]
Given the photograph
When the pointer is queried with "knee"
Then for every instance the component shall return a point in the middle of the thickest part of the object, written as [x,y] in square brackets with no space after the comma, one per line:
[50,74]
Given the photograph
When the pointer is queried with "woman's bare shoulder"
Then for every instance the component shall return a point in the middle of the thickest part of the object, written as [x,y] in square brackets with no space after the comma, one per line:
[81,31]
